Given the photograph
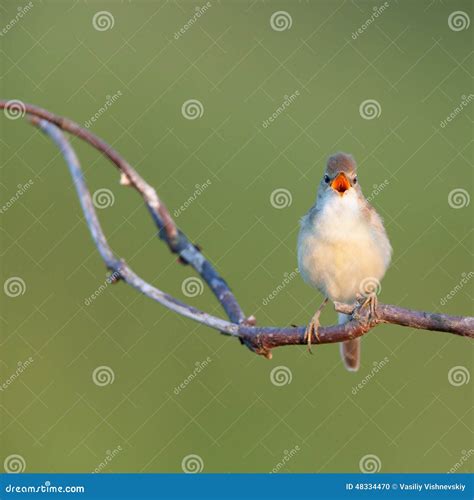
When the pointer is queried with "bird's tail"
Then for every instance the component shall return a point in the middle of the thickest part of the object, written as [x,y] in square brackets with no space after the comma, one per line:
[350,349]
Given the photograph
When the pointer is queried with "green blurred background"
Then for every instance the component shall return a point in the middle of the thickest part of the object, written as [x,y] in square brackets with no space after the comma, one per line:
[231,414]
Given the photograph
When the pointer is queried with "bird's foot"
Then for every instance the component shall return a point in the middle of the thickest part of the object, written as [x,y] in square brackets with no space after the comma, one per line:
[369,301]
[311,329]
[313,326]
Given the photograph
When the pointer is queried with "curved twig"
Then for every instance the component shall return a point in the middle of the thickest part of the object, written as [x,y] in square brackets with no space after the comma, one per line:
[260,339]
[118,266]
[177,242]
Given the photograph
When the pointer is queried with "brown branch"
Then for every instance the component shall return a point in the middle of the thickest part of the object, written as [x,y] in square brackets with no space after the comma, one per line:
[177,242]
[259,339]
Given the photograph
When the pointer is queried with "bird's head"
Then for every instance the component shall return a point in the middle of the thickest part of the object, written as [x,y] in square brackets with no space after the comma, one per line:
[340,176]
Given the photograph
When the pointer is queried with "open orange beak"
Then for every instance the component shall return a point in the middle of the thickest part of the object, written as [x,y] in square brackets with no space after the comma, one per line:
[341,183]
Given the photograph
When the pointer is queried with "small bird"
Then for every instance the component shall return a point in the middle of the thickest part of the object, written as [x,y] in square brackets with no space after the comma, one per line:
[343,249]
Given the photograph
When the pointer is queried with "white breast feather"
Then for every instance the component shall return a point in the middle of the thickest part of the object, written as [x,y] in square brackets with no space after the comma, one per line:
[341,248]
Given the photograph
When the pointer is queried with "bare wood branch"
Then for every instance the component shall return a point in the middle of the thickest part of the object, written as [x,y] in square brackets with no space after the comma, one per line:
[259,339]
[177,242]
[114,264]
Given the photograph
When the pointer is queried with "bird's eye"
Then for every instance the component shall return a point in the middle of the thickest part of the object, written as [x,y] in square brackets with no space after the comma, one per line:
[355,180]
[326,179]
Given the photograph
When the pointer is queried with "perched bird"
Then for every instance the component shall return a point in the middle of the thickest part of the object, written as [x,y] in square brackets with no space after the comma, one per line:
[343,248]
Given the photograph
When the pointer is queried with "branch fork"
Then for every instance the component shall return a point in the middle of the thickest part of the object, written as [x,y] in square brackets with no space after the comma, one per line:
[260,340]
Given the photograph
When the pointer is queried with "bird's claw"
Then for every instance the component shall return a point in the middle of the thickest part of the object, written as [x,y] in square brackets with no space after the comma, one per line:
[369,301]
[311,329]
